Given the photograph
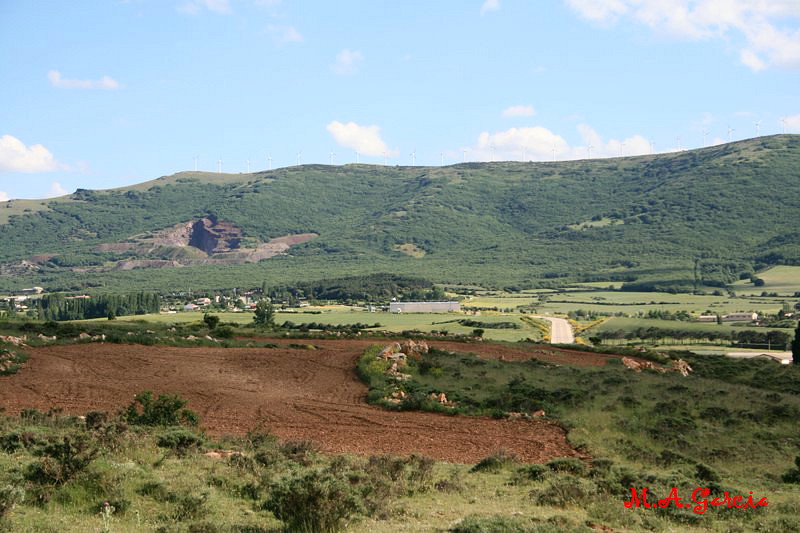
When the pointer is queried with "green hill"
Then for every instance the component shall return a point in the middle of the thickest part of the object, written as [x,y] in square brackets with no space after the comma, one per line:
[710,214]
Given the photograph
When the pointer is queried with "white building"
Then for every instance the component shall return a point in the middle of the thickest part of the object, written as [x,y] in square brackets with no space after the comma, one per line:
[424,307]
[707,318]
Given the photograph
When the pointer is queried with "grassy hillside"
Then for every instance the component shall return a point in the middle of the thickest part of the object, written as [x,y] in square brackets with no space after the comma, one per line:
[730,207]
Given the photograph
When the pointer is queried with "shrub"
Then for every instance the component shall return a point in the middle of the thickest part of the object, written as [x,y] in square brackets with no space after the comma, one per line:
[10,496]
[492,524]
[407,475]
[453,483]
[793,475]
[163,411]
[180,440]
[316,501]
[302,451]
[224,332]
[188,506]
[565,490]
[211,321]
[62,460]
[570,466]
[494,462]
[529,473]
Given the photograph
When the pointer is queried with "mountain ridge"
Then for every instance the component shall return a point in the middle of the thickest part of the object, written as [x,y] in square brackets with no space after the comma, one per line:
[645,217]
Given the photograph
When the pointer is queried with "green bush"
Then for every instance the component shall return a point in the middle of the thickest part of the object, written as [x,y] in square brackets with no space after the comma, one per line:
[529,473]
[10,496]
[180,440]
[224,332]
[565,490]
[163,411]
[494,462]
[569,466]
[314,502]
[62,459]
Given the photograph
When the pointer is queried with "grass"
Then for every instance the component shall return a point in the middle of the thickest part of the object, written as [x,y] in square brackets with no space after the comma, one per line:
[731,424]
[393,322]
[627,324]
[784,280]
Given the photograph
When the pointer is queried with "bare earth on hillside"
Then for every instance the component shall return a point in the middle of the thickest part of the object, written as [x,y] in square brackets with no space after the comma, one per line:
[298,394]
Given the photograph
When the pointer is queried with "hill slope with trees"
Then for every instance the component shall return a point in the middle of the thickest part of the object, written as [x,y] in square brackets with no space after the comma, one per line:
[698,216]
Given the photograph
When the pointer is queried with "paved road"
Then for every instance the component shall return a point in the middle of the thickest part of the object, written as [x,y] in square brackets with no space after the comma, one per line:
[560,330]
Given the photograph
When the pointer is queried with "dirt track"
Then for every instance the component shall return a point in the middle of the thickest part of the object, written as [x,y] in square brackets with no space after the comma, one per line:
[298,394]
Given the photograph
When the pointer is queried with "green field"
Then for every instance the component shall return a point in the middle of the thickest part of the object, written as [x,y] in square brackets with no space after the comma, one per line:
[395,322]
[785,280]
[634,323]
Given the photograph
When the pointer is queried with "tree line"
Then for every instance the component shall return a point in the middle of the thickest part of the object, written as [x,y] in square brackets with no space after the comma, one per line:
[60,307]
[773,339]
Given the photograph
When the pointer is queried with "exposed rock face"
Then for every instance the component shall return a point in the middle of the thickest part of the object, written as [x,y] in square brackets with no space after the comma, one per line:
[214,237]
[198,242]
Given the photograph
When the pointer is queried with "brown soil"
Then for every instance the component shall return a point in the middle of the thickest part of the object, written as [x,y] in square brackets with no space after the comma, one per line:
[298,394]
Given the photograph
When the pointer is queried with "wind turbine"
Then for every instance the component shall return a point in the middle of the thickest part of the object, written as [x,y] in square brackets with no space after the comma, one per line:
[491,147]
[413,157]
[554,154]
[783,120]
[622,149]
[758,128]
[269,162]
[589,150]
[678,140]
[464,155]
[248,166]
[652,147]
[332,156]
[219,166]
[195,163]
[385,158]
[298,158]
[441,158]
[705,134]
[730,133]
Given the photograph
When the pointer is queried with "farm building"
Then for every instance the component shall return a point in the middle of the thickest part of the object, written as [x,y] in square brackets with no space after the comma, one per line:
[707,318]
[424,307]
[740,317]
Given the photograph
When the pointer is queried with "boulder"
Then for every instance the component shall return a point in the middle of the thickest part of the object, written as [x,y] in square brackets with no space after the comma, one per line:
[16,341]
[682,366]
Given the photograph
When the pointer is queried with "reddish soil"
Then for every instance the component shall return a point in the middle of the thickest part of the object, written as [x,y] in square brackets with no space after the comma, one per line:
[298,394]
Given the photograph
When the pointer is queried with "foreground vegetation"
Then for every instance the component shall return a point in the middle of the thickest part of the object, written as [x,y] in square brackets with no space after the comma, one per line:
[730,426]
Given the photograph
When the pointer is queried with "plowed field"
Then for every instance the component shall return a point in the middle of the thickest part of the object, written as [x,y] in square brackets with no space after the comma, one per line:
[298,394]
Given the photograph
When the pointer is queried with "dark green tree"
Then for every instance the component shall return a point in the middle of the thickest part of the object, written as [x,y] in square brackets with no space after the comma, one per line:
[796,345]
[264,314]
[212,321]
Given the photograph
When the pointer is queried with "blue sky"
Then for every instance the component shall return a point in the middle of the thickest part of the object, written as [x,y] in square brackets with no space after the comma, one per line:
[100,94]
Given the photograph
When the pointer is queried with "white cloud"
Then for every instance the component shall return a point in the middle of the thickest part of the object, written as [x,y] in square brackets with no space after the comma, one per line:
[490,5]
[539,143]
[285,34]
[765,32]
[106,82]
[517,111]
[16,157]
[363,139]
[4,196]
[347,61]
[792,123]
[193,7]
[56,190]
